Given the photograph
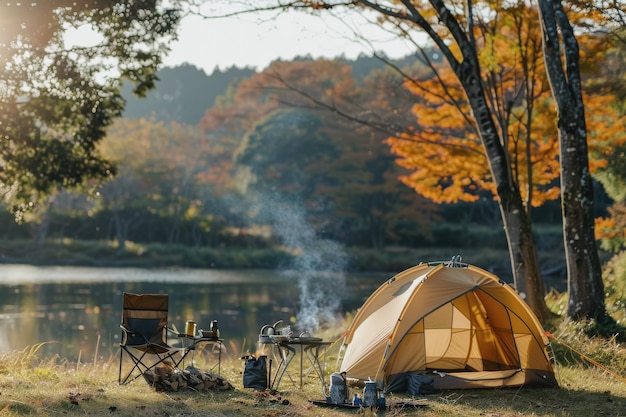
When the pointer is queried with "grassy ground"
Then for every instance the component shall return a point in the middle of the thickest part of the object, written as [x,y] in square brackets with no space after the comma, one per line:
[50,387]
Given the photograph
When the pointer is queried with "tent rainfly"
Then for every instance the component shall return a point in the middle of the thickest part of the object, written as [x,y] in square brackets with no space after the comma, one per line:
[456,322]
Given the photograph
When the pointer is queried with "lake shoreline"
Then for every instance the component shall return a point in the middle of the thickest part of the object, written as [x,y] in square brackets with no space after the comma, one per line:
[67,252]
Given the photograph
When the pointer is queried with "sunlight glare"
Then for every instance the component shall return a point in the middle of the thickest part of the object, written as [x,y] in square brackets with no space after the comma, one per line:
[83,36]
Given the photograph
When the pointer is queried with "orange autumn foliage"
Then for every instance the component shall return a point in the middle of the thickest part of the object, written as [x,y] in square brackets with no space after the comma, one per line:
[444,153]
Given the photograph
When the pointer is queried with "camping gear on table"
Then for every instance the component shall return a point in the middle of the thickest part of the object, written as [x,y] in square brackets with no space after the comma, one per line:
[370,394]
[338,388]
[215,331]
[458,323]
[266,333]
[285,346]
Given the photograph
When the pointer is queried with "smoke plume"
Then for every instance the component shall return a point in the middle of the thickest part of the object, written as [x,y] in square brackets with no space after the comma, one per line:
[319,266]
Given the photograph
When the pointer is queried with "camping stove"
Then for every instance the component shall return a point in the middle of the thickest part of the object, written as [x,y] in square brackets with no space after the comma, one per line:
[278,332]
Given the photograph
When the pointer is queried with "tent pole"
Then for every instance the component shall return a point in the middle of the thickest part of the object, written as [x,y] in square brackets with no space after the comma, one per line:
[382,360]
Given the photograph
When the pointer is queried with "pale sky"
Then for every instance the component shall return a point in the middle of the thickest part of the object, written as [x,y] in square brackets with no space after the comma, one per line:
[256,41]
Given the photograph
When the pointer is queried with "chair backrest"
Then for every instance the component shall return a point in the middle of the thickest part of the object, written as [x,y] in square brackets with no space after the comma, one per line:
[145,314]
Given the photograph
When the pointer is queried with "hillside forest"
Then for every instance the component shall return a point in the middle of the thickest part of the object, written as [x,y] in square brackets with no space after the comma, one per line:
[251,159]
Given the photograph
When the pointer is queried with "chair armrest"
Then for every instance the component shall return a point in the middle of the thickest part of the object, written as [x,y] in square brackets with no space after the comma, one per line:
[128,331]
[174,332]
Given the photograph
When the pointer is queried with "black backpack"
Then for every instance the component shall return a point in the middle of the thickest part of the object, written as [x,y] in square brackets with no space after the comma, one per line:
[255,373]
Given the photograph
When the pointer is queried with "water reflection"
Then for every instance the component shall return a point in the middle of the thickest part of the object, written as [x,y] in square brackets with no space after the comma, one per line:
[78,310]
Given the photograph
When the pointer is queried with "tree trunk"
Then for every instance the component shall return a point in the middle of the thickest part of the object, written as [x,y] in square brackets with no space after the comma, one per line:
[120,231]
[517,224]
[584,272]
[42,229]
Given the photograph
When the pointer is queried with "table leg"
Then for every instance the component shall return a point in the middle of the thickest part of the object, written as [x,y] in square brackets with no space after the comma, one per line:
[313,353]
[219,359]
[301,355]
[287,353]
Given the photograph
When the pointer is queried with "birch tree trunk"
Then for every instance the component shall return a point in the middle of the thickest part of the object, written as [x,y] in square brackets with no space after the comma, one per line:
[584,273]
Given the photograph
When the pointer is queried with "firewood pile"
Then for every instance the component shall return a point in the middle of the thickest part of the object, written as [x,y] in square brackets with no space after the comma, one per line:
[166,377]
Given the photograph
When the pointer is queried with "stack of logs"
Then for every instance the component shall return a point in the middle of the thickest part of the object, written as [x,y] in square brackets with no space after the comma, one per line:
[166,377]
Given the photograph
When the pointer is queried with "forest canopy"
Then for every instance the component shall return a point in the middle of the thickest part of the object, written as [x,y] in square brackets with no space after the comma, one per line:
[58,97]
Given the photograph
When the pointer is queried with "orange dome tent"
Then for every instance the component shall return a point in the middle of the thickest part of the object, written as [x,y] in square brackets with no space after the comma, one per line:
[455,321]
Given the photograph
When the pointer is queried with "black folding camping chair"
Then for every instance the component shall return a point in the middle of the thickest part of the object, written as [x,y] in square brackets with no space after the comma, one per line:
[144,335]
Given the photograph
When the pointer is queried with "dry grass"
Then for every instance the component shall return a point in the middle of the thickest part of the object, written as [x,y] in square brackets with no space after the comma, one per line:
[50,387]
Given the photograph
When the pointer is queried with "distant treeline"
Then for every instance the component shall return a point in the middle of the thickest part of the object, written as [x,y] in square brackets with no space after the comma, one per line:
[240,159]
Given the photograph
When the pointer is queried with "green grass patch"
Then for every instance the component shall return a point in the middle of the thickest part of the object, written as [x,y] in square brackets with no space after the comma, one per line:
[34,385]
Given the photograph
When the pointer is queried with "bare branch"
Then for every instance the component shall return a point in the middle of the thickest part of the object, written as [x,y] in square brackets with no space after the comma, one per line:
[398,132]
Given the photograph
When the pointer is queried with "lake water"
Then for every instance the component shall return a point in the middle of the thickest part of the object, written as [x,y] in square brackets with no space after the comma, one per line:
[77,310]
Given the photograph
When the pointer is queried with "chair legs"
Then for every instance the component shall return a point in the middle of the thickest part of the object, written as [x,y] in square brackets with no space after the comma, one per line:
[140,367]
